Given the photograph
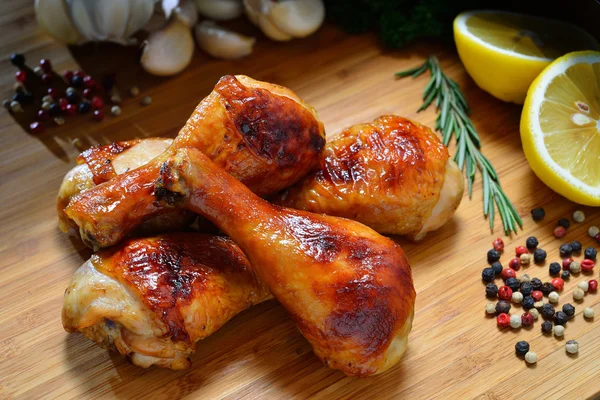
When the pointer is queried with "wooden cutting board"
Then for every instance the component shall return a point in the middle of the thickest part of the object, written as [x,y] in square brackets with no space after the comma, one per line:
[454,352]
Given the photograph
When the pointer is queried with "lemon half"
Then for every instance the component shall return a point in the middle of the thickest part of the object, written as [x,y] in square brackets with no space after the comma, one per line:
[560,127]
[504,52]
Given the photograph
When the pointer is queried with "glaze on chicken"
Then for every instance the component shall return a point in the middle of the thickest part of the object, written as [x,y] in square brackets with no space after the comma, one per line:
[392,174]
[260,133]
[153,299]
[348,288]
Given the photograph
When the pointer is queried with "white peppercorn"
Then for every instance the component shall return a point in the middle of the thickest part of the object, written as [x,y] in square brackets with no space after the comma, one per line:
[583,285]
[553,297]
[578,216]
[47,98]
[589,312]
[578,294]
[38,71]
[572,346]
[59,121]
[515,321]
[538,304]
[115,110]
[46,105]
[531,357]
[517,297]
[559,330]
[525,279]
[15,107]
[593,231]
[525,259]
[70,90]
[575,267]
[134,91]
[535,314]
[490,308]
[146,100]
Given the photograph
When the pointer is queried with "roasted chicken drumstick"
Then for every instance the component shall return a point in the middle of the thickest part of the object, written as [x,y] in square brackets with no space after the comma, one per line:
[260,133]
[348,289]
[153,299]
[392,174]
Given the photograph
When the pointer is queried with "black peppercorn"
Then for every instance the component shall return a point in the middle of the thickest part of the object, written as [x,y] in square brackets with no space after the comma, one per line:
[513,283]
[565,250]
[521,348]
[27,97]
[528,302]
[488,275]
[526,288]
[539,255]
[547,288]
[84,107]
[538,214]
[560,318]
[568,309]
[576,246]
[531,243]
[564,222]
[72,97]
[54,110]
[536,284]
[491,290]
[493,255]
[19,97]
[590,253]
[554,268]
[497,267]
[77,81]
[546,327]
[547,311]
[565,275]
[18,60]
[502,307]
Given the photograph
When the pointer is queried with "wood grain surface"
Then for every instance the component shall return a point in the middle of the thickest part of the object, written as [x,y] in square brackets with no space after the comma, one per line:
[454,352]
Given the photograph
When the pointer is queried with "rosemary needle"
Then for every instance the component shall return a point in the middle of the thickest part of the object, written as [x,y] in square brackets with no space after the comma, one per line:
[453,120]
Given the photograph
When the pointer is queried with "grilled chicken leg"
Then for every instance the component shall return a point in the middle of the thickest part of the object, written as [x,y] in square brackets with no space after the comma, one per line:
[348,289]
[392,174]
[153,299]
[260,133]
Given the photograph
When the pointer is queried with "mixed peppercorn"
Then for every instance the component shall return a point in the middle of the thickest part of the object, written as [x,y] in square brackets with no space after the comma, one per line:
[529,292]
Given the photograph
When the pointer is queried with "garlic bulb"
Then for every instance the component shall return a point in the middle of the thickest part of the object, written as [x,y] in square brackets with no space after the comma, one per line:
[284,20]
[222,43]
[78,21]
[220,10]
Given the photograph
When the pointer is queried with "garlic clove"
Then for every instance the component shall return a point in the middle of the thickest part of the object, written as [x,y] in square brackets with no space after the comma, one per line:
[220,10]
[258,11]
[169,50]
[140,13]
[253,10]
[271,30]
[222,43]
[82,12]
[110,17]
[53,17]
[298,18]
[186,11]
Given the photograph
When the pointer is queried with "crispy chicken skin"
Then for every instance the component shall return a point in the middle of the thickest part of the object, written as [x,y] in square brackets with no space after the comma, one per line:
[153,299]
[348,288]
[392,174]
[260,133]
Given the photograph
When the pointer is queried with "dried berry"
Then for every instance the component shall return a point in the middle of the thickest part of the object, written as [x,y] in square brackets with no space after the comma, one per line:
[526,289]
[593,284]
[505,293]
[537,295]
[515,264]
[36,127]
[546,327]
[560,232]
[572,347]
[539,255]
[491,290]
[521,348]
[568,309]
[503,320]
[526,319]
[565,275]
[46,65]
[566,263]
[488,275]
[498,244]
[18,60]
[590,254]
[502,307]
[548,311]
[536,283]
[513,283]
[547,288]
[578,216]
[531,243]
[508,273]
[525,259]
[576,246]
[565,250]
[560,318]
[99,116]
[554,268]
[521,250]
[493,255]
[496,266]
[515,321]
[527,302]
[587,265]
[84,107]
[564,222]
[538,214]
[558,284]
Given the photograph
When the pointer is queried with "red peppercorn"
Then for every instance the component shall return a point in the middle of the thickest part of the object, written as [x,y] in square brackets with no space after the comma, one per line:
[515,264]
[98,115]
[521,250]
[71,109]
[498,244]
[63,103]
[42,115]
[508,273]
[78,72]
[68,75]
[45,65]
[560,231]
[53,92]
[36,127]
[46,78]
[558,284]
[537,295]
[597,238]
[587,265]
[97,103]
[87,93]
[21,75]
[89,82]
[592,285]
[566,262]
[527,319]
[503,320]
[505,293]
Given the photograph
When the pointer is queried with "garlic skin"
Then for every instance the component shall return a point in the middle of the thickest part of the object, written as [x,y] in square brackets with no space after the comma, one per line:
[220,10]
[222,43]
[79,21]
[284,20]
[169,50]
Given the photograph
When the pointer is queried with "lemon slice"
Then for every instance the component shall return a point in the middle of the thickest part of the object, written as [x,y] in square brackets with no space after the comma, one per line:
[560,127]
[504,52]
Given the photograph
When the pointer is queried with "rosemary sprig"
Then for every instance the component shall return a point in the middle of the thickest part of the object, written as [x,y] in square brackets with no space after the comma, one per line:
[453,120]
